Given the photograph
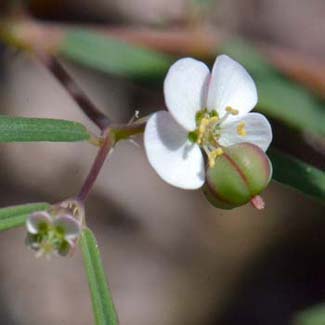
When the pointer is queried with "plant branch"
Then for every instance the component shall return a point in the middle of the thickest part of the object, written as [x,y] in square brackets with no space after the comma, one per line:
[86,105]
[110,137]
[123,132]
[102,154]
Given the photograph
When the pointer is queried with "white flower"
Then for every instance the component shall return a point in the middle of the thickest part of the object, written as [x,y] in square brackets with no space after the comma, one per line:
[206,111]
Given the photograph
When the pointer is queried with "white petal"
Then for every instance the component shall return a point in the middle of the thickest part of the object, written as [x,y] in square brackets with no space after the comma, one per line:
[257,127]
[70,225]
[185,90]
[176,160]
[231,85]
[35,219]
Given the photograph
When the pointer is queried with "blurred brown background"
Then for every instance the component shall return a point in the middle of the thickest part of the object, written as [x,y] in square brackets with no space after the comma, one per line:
[170,257]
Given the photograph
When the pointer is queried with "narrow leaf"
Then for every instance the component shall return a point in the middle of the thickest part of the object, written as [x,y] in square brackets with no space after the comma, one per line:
[23,129]
[295,173]
[111,55]
[279,97]
[15,216]
[103,307]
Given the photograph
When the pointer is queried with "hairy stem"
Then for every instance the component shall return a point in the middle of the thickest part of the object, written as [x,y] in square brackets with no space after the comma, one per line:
[102,154]
[86,105]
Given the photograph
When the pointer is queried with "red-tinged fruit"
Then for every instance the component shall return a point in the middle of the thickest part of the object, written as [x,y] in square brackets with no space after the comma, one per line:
[239,175]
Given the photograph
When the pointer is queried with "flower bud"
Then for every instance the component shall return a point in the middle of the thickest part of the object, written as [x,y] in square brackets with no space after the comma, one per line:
[240,174]
[55,231]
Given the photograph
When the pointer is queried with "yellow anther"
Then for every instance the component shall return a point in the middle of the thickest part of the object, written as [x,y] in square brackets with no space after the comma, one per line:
[231,110]
[213,155]
[218,152]
[213,119]
[241,130]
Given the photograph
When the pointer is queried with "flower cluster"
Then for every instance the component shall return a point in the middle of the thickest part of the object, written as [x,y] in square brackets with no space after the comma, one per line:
[206,111]
[55,231]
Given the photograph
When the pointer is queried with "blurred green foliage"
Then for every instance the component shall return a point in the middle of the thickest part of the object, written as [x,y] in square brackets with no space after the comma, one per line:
[279,97]
[108,54]
[312,316]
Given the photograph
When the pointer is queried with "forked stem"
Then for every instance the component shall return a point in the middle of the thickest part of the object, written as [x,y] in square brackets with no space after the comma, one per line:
[110,135]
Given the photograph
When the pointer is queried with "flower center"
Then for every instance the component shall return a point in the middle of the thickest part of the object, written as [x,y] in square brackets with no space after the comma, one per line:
[48,240]
[208,132]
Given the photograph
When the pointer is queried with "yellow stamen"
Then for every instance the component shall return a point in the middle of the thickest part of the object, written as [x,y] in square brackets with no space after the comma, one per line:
[202,127]
[204,123]
[241,130]
[213,155]
[232,110]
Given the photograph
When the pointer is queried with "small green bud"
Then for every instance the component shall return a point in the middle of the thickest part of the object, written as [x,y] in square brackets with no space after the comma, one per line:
[239,175]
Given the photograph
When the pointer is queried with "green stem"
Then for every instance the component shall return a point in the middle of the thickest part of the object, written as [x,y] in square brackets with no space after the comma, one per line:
[123,132]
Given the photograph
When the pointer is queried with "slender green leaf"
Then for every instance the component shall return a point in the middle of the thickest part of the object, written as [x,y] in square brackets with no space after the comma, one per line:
[279,97]
[111,55]
[13,222]
[295,173]
[15,216]
[23,129]
[103,307]
[312,316]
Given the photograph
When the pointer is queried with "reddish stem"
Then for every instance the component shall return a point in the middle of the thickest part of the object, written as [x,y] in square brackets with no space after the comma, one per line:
[86,105]
[96,167]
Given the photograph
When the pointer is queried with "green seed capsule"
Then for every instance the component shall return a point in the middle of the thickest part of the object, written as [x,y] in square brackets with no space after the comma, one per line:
[242,172]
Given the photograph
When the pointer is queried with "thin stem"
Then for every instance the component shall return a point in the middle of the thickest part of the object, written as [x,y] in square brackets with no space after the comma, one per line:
[86,105]
[110,137]
[97,165]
